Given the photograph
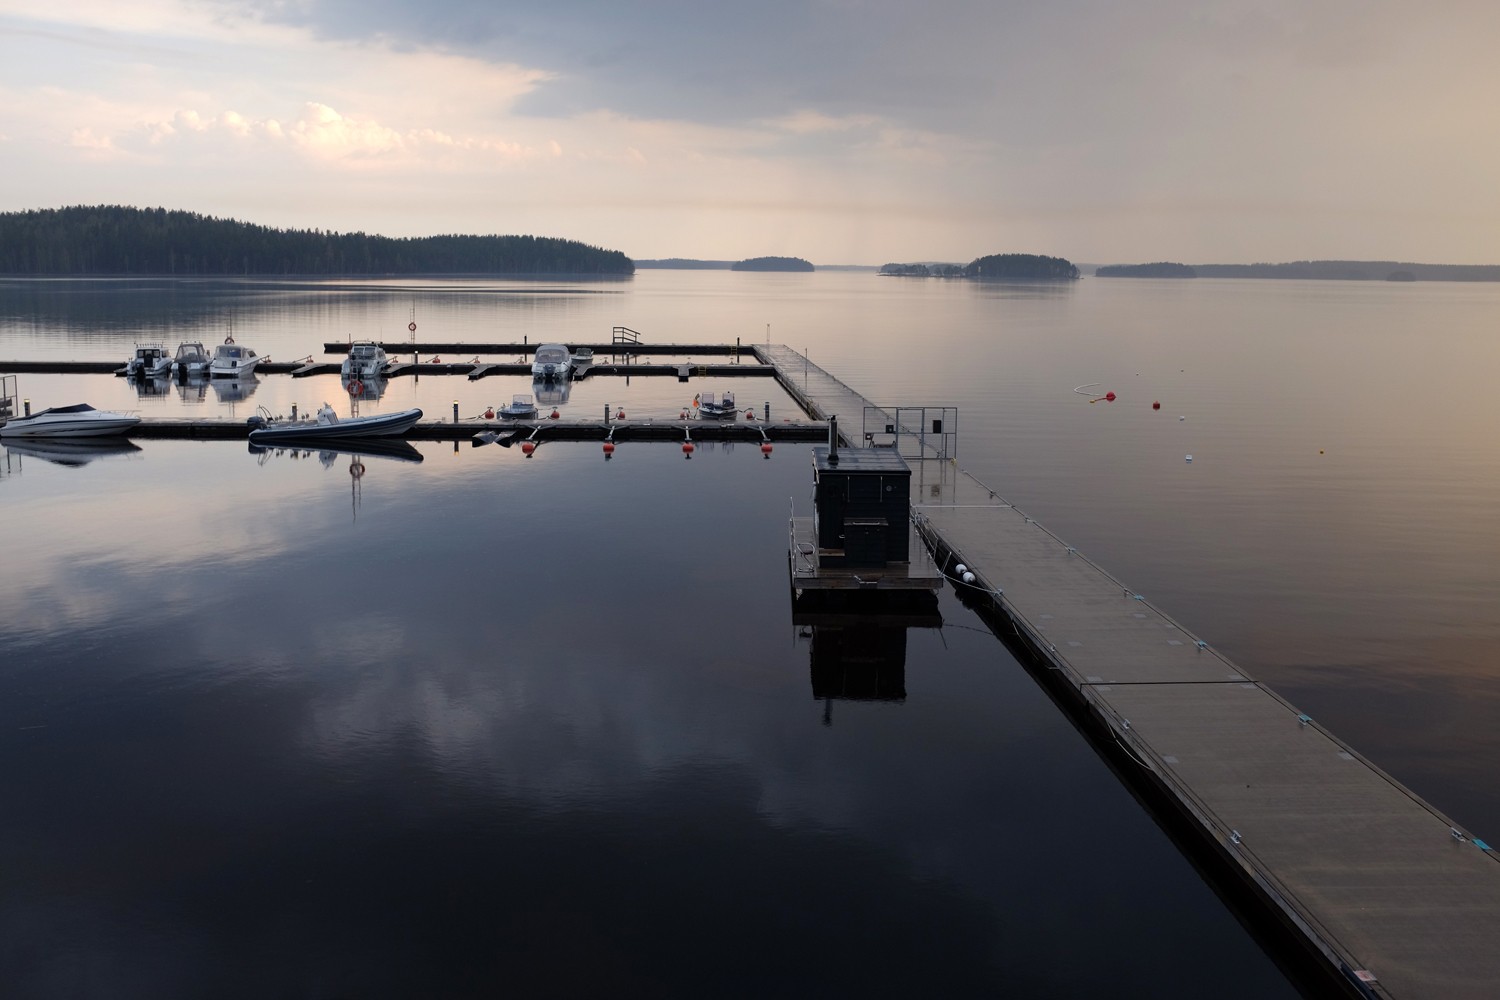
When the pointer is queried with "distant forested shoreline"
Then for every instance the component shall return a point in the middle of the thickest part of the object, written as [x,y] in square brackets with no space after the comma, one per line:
[771,264]
[998,266]
[119,240]
[1325,270]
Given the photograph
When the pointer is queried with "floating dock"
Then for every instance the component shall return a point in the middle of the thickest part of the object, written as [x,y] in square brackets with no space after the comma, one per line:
[1390,896]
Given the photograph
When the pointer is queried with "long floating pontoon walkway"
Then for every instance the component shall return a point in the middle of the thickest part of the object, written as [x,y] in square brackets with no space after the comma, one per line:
[1399,900]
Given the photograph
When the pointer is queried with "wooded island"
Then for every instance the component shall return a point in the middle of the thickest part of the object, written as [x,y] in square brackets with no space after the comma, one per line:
[118,240]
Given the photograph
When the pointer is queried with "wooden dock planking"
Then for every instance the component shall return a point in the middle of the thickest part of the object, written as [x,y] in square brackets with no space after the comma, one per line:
[1399,900]
[1370,873]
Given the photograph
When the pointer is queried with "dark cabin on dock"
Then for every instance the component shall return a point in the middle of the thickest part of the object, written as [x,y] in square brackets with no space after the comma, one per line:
[863,501]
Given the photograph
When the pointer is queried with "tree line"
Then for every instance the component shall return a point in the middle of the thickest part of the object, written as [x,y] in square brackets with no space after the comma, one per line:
[120,240]
[1004,266]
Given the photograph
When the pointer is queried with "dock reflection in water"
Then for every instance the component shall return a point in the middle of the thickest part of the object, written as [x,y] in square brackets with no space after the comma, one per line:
[550,707]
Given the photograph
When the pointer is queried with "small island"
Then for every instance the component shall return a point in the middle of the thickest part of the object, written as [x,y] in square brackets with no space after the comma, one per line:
[772,264]
[1022,267]
[997,267]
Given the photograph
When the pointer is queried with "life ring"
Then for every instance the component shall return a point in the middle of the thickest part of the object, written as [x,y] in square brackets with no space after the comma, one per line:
[356,387]
[412,326]
[229,339]
[356,468]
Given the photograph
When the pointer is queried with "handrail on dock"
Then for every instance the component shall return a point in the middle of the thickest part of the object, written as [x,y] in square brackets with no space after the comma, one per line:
[625,335]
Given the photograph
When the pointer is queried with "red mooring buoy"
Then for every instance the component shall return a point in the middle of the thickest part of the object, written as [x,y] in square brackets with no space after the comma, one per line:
[1110,396]
[765,449]
[620,415]
[554,415]
[609,447]
[1156,405]
[489,413]
[527,448]
[687,447]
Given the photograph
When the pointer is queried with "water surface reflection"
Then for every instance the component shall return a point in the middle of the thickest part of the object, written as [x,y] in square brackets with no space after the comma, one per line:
[539,725]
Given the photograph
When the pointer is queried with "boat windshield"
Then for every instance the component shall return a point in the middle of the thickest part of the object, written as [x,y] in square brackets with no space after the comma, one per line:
[190,351]
[552,355]
[364,352]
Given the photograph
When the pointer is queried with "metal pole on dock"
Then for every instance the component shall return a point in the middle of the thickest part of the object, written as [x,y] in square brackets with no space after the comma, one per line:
[455,411]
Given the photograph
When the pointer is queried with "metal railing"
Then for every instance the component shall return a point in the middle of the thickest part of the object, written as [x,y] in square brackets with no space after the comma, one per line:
[915,432]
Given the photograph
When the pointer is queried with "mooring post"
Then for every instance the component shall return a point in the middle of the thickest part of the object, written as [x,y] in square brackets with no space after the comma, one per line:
[294,411]
[455,411]
[606,413]
[28,407]
[768,411]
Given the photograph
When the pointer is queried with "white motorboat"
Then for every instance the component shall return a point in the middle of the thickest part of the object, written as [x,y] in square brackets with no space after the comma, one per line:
[230,360]
[366,360]
[552,363]
[328,425]
[78,420]
[519,408]
[582,358]
[711,407]
[148,361]
[191,359]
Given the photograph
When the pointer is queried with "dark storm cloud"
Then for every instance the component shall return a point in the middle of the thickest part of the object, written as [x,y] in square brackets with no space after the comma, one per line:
[711,62]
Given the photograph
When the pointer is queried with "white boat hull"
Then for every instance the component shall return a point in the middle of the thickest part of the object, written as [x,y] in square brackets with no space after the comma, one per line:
[69,424]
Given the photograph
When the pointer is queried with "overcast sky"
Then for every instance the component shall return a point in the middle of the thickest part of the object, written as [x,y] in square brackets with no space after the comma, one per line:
[843,131]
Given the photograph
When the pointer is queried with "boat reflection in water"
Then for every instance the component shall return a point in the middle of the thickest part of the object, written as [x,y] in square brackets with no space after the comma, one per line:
[358,387]
[150,385]
[393,448]
[70,451]
[235,390]
[193,388]
[552,393]
[356,449]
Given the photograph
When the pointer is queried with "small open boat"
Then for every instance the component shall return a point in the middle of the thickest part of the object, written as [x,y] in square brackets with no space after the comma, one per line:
[328,425]
[582,358]
[715,408]
[520,407]
[78,420]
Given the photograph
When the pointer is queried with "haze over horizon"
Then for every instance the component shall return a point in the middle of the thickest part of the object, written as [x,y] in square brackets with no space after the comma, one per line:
[841,131]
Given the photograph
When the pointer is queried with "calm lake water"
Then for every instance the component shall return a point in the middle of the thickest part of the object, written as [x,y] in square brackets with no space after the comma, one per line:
[475,722]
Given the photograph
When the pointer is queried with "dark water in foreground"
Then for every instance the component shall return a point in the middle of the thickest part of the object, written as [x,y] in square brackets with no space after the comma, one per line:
[480,722]
[543,727]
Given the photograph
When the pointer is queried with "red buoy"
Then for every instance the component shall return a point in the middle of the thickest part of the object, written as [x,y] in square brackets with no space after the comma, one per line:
[1110,396]
[609,447]
[554,415]
[1156,405]
[749,414]
[765,449]
[620,415]
[489,413]
[687,447]
[527,448]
